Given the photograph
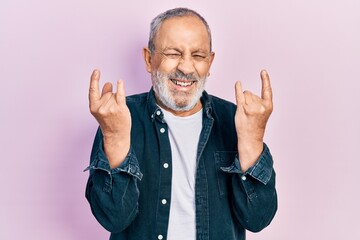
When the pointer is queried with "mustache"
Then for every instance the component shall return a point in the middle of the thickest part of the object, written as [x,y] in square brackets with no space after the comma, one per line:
[180,75]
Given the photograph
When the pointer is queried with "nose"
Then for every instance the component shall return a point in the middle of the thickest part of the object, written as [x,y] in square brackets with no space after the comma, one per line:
[186,65]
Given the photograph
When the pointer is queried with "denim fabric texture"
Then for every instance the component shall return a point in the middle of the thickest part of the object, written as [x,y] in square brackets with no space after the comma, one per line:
[128,200]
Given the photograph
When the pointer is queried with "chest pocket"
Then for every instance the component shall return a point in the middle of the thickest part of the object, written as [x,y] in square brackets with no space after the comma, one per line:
[224,159]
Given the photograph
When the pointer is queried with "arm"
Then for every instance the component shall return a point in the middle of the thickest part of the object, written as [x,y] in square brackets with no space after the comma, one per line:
[252,114]
[112,193]
[112,186]
[254,197]
[254,194]
[113,116]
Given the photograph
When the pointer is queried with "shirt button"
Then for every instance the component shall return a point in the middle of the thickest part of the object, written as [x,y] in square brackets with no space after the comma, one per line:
[243,178]
[163,201]
[166,165]
[160,237]
[162,130]
[158,112]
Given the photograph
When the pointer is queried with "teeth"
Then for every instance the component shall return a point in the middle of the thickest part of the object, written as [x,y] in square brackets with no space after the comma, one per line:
[183,84]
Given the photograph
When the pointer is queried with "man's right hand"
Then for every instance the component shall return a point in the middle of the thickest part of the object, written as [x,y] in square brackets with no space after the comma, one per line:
[113,116]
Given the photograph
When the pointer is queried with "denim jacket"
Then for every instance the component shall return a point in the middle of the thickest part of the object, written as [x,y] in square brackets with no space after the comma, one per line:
[129,201]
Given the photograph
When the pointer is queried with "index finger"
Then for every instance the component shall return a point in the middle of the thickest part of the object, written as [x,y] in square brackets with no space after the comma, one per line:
[120,92]
[94,92]
[239,95]
[266,91]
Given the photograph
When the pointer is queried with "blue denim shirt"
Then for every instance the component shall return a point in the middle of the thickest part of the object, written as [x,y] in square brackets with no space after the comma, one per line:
[127,201]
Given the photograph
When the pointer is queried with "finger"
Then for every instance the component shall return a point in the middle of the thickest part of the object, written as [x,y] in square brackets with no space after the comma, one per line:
[94,92]
[240,98]
[249,97]
[120,92]
[254,109]
[266,91]
[108,87]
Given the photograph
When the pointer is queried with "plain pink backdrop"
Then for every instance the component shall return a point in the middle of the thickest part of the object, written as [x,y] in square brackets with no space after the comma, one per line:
[49,48]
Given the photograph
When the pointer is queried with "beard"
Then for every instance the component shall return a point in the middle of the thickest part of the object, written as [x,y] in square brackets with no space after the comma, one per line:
[173,99]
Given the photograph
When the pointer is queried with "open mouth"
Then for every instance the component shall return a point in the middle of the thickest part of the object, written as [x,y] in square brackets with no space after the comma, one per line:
[185,83]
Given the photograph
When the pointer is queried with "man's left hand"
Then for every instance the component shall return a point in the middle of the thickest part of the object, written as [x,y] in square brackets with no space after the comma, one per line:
[251,116]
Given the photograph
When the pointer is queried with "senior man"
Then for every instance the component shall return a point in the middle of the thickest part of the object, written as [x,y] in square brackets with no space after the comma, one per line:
[177,163]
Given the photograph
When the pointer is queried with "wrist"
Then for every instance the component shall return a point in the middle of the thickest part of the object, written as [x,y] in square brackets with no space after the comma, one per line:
[116,150]
[249,152]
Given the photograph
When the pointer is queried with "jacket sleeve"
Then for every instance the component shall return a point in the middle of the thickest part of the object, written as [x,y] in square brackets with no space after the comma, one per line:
[112,193]
[254,197]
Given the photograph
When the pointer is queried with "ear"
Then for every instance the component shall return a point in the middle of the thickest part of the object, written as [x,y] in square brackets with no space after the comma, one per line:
[147,59]
[212,56]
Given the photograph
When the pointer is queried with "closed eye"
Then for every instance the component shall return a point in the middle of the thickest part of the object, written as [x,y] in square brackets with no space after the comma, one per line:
[172,55]
[199,57]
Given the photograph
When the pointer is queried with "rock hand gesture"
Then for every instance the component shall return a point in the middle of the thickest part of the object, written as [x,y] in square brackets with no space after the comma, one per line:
[251,116]
[113,116]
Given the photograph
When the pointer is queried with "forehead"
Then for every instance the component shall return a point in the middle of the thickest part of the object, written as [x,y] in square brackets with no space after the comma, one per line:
[186,32]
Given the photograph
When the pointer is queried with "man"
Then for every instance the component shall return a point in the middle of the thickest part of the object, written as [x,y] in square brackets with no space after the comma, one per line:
[177,163]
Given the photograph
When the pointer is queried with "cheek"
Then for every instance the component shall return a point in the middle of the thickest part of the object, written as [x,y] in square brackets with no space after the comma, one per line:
[203,71]
[163,66]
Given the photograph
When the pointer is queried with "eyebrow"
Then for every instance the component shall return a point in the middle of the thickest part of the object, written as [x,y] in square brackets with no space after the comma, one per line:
[171,48]
[178,50]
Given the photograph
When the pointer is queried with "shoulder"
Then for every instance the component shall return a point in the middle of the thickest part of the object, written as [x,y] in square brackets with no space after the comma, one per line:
[221,105]
[137,98]
[137,104]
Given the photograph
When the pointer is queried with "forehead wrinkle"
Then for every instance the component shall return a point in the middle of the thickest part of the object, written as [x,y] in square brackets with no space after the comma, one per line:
[188,27]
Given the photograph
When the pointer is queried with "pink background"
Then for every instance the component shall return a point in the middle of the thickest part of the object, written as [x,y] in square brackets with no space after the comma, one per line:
[48,49]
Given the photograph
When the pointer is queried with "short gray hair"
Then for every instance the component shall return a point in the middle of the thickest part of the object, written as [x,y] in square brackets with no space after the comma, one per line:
[176,12]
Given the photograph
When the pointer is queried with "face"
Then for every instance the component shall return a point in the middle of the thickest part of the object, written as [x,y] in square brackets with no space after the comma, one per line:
[180,64]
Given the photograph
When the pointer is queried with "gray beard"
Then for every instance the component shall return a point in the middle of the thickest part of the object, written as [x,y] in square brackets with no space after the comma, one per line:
[184,102]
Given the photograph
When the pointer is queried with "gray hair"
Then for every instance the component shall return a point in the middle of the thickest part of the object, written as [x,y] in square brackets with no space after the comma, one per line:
[176,12]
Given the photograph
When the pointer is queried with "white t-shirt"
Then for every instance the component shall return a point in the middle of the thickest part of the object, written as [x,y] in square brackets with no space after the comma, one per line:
[184,133]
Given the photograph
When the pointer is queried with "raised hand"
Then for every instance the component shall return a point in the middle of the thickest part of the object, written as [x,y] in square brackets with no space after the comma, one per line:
[251,116]
[113,116]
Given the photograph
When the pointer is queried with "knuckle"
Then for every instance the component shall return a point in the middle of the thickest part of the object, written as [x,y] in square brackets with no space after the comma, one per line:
[262,110]
[92,91]
[102,111]
[248,111]
[93,109]
[269,107]
[247,93]
[112,110]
